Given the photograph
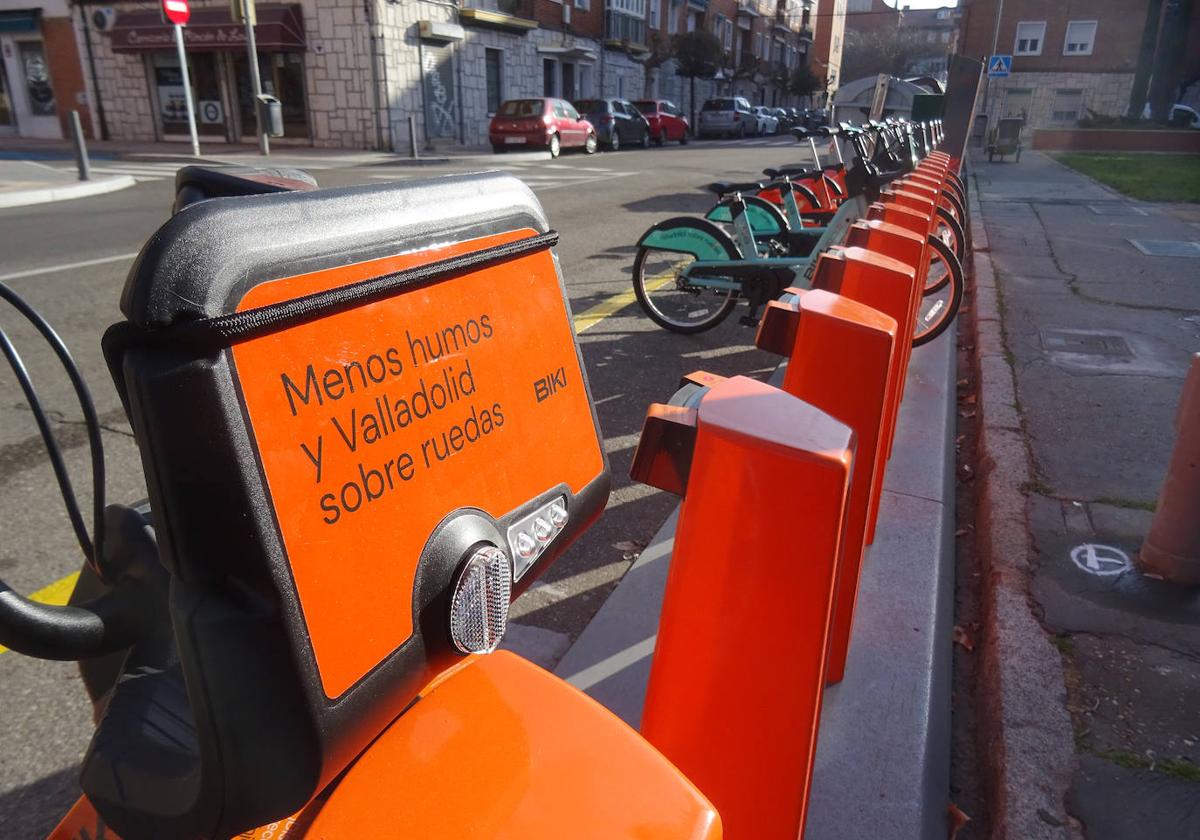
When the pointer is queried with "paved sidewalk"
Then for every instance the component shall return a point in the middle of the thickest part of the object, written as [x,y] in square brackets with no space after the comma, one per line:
[1098,333]
[24,182]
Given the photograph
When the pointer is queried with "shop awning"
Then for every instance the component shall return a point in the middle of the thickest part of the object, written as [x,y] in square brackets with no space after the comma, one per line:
[279,29]
[19,20]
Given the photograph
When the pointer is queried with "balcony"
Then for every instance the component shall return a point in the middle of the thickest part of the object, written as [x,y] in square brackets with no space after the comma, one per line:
[504,15]
[748,9]
[624,31]
[806,34]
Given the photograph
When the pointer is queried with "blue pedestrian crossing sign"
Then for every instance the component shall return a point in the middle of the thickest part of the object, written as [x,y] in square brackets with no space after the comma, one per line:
[999,66]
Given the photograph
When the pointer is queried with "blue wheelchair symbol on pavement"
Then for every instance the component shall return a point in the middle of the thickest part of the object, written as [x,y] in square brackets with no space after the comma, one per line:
[999,66]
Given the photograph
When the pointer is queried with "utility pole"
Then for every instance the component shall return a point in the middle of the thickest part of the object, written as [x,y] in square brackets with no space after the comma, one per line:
[245,11]
[987,93]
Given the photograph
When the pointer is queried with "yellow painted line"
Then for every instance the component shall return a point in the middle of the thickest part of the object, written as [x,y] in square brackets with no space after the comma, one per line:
[589,318]
[56,593]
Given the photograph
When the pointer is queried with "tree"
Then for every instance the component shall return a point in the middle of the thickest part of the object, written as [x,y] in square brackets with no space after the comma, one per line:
[697,54]
[805,82]
[890,51]
[660,53]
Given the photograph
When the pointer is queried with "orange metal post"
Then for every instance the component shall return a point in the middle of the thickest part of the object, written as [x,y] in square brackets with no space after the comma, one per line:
[841,355]
[884,284]
[739,664]
[905,217]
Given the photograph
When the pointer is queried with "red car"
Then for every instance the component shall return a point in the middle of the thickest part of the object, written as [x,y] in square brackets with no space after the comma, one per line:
[667,122]
[546,123]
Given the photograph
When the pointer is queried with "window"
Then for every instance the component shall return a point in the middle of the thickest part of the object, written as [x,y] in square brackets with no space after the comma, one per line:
[1017,102]
[1029,37]
[691,22]
[655,5]
[493,60]
[548,76]
[945,36]
[1081,35]
[585,80]
[568,80]
[1068,104]
[583,4]
[672,17]
[758,46]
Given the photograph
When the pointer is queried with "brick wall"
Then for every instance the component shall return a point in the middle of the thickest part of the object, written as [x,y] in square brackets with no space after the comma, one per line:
[1118,33]
[1103,93]
[66,75]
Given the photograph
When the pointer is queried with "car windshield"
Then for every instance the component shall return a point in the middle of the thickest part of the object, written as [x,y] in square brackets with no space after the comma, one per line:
[591,106]
[648,108]
[523,108]
[719,105]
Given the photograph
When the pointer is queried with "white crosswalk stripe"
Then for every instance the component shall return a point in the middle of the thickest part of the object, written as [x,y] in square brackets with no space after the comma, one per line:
[139,171]
[533,173]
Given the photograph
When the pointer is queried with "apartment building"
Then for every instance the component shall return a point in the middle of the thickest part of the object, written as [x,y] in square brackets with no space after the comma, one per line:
[351,74]
[829,34]
[1070,57]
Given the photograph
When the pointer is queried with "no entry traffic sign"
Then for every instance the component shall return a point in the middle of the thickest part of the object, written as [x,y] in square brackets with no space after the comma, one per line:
[177,11]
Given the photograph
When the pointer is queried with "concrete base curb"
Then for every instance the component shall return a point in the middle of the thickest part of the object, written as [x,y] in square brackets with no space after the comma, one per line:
[1026,739]
[80,189]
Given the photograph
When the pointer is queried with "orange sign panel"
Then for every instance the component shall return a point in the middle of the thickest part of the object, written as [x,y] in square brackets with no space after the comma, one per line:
[375,423]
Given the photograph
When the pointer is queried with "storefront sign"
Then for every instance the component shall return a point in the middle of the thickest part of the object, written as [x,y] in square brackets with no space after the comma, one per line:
[280,28]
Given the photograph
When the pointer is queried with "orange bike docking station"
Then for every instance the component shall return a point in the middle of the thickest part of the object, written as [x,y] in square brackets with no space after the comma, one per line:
[350,406]
[738,669]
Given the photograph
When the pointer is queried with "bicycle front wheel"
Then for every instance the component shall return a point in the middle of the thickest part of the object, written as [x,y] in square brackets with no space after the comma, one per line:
[663,290]
[943,297]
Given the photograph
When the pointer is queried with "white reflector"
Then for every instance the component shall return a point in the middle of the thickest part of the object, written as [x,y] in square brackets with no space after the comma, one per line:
[479,605]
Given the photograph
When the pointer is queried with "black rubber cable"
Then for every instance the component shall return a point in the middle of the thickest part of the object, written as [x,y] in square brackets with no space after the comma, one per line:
[92,546]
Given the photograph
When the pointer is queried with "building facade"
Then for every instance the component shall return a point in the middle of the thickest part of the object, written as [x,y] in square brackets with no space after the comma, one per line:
[357,75]
[829,35]
[41,80]
[1069,57]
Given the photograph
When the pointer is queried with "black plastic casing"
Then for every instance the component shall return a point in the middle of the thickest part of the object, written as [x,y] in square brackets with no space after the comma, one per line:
[238,731]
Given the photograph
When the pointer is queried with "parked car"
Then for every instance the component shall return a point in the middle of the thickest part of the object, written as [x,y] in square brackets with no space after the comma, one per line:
[765,120]
[618,122]
[816,117]
[784,118]
[667,121]
[544,123]
[729,116]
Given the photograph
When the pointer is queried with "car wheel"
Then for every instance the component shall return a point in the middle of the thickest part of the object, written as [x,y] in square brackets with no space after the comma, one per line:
[497,149]
[591,144]
[555,145]
[646,139]
[662,137]
[683,139]
[614,143]
[742,133]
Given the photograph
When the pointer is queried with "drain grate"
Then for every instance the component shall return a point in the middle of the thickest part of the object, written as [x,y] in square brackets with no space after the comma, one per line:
[1166,247]
[1087,343]
[1117,208]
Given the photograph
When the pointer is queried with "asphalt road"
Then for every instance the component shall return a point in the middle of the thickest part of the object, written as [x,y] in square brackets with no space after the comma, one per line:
[70,259]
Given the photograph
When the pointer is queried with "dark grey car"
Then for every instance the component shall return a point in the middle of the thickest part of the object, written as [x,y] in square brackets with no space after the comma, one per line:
[617,121]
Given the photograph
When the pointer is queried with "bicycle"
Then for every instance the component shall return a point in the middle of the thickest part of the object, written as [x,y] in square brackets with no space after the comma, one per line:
[689,273]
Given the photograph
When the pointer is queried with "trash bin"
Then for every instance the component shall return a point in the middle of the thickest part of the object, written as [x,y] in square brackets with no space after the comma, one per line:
[270,112]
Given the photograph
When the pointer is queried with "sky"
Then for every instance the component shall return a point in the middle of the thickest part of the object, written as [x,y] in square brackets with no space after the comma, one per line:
[922,4]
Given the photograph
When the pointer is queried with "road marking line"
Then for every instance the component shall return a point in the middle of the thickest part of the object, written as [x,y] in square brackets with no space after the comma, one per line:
[54,269]
[56,594]
[590,317]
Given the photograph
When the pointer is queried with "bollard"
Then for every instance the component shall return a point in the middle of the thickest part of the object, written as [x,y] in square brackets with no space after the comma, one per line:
[414,152]
[887,285]
[1172,548]
[81,154]
[842,360]
[735,684]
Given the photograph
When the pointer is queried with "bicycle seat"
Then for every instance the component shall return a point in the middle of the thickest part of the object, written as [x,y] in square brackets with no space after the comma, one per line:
[792,172]
[850,130]
[725,187]
[197,183]
[800,132]
[826,131]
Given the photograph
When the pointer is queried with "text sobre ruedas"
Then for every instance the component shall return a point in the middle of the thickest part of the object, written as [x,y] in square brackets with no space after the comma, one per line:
[429,377]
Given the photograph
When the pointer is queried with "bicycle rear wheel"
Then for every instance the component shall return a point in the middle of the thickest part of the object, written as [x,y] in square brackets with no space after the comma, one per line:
[670,301]
[940,304]
[948,229]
